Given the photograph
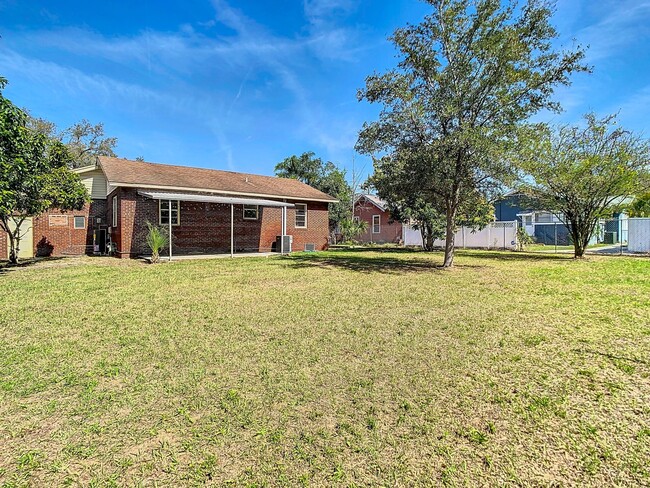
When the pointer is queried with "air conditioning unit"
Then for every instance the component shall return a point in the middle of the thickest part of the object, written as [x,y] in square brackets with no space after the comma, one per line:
[288,240]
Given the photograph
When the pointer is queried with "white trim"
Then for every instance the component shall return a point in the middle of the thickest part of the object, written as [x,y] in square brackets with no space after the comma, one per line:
[257,212]
[86,169]
[296,216]
[194,197]
[178,212]
[378,224]
[219,192]
[74,221]
[115,205]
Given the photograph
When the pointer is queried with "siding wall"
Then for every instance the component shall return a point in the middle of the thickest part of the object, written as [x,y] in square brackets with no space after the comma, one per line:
[205,227]
[95,182]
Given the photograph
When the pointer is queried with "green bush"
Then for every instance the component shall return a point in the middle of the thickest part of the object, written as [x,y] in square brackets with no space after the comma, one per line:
[523,239]
[156,240]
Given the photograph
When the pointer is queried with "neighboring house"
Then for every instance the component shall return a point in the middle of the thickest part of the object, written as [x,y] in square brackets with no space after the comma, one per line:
[548,229]
[211,211]
[380,228]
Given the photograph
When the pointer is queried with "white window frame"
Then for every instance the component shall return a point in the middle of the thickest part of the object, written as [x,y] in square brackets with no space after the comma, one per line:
[74,221]
[304,205]
[250,208]
[378,224]
[114,210]
[356,219]
[178,212]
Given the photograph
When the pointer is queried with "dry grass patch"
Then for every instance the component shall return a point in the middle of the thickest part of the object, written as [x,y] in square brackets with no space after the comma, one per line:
[349,367]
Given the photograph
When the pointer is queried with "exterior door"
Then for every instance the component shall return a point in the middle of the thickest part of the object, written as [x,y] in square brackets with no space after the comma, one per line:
[26,245]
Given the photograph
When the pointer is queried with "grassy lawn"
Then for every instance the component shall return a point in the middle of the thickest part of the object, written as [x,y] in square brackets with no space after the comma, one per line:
[348,367]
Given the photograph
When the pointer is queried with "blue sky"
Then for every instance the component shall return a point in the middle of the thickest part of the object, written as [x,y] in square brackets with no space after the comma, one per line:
[241,85]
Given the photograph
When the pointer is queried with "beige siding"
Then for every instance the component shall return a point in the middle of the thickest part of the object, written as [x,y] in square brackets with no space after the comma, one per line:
[95,181]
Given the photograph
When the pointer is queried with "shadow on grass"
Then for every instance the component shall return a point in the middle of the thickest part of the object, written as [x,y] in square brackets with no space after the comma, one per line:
[6,266]
[392,260]
[613,356]
[365,264]
[512,255]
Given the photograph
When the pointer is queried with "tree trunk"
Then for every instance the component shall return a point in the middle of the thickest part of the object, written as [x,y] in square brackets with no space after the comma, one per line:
[14,249]
[427,236]
[450,237]
[14,238]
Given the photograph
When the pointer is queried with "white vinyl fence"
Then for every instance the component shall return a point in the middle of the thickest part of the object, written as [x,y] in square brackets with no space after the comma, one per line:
[638,238]
[497,235]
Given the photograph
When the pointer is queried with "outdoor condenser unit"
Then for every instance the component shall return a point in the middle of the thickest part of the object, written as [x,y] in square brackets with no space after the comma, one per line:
[288,240]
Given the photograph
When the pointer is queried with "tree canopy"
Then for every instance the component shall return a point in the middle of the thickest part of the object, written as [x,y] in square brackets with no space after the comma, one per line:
[581,173]
[470,75]
[640,207]
[84,140]
[34,174]
[324,176]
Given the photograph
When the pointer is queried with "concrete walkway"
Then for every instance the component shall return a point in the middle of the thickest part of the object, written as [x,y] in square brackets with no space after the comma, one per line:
[187,257]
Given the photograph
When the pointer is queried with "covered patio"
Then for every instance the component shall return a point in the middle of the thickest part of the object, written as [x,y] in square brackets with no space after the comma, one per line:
[284,244]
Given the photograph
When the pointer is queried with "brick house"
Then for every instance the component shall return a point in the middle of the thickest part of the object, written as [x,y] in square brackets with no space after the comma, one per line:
[211,211]
[381,229]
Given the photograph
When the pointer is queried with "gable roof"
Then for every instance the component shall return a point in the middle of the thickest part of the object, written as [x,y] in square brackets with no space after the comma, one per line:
[374,199]
[140,174]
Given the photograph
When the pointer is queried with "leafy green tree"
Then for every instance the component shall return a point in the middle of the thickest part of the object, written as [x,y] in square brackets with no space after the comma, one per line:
[470,75]
[580,173]
[34,174]
[640,206]
[84,140]
[324,176]
[405,203]
[351,228]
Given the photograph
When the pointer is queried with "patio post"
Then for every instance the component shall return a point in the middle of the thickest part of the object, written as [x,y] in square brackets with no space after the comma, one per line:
[232,230]
[169,202]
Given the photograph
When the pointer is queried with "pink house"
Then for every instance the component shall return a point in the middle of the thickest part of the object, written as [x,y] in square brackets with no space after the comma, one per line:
[381,229]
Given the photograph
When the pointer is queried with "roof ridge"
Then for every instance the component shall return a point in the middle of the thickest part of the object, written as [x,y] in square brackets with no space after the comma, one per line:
[155,163]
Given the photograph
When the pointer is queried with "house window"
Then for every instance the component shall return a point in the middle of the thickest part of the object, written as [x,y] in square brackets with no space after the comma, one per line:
[376,227]
[115,211]
[528,220]
[79,222]
[251,212]
[164,212]
[301,215]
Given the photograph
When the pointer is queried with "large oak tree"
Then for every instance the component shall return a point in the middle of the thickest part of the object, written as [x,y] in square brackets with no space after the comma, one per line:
[471,73]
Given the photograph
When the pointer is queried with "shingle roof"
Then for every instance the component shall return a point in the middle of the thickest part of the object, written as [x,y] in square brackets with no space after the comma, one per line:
[375,200]
[124,172]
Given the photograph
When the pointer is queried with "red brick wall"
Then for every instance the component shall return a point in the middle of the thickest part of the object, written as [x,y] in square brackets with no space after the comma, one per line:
[62,240]
[56,240]
[205,227]
[389,232]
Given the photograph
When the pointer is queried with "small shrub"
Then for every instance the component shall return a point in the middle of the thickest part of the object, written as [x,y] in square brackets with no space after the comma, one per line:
[523,239]
[156,240]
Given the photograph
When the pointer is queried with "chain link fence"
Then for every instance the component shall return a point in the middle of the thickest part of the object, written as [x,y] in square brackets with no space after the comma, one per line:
[611,236]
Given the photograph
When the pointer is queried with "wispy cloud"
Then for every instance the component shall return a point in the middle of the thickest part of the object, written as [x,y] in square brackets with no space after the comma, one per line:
[240,67]
[622,23]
